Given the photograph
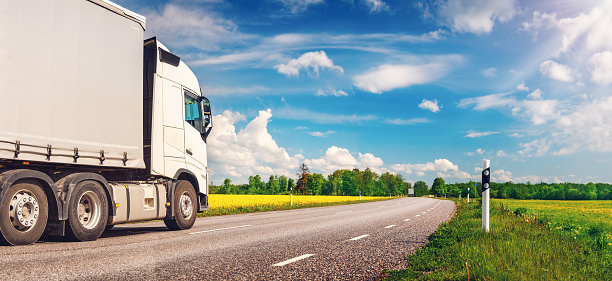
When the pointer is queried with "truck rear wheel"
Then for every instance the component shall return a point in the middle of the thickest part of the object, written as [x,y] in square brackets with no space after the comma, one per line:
[23,214]
[87,212]
[184,205]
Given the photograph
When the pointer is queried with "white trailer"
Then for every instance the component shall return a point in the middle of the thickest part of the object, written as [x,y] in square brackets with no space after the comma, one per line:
[97,128]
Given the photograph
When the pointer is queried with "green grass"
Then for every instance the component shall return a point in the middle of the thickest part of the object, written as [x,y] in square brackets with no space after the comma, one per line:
[519,246]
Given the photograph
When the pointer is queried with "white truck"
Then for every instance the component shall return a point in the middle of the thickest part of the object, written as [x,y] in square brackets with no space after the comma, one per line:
[96,128]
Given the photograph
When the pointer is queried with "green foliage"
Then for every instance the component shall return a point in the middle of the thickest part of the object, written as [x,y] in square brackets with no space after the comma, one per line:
[341,182]
[420,188]
[516,248]
[438,188]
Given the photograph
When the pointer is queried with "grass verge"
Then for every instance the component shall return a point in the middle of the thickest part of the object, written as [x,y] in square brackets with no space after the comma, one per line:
[519,246]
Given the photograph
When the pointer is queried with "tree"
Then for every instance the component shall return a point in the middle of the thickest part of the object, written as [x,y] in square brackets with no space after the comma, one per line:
[290,184]
[420,188]
[302,184]
[315,184]
[226,188]
[438,188]
[282,184]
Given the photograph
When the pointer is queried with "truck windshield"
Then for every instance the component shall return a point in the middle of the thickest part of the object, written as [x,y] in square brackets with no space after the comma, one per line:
[193,112]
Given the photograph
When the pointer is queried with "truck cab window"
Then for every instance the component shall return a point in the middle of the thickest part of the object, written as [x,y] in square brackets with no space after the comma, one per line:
[193,112]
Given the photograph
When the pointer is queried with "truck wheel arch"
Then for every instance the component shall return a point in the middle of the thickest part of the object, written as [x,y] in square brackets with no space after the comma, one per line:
[9,178]
[67,183]
[184,174]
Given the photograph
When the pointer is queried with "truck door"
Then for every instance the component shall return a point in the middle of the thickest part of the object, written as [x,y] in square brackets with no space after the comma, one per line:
[195,123]
[174,136]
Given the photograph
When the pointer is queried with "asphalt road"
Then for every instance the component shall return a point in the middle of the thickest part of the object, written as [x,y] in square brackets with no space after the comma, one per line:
[348,242]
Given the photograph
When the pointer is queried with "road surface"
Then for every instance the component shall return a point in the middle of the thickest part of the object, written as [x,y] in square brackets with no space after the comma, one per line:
[347,242]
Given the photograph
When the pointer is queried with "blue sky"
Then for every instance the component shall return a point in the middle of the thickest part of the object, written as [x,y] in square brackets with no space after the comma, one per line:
[419,88]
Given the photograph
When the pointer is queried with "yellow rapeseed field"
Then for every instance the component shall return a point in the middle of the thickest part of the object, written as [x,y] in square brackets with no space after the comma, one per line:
[217,201]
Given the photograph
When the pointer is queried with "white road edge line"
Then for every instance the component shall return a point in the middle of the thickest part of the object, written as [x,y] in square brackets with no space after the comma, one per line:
[359,237]
[390,226]
[293,260]
[225,228]
[417,215]
[406,219]
[343,212]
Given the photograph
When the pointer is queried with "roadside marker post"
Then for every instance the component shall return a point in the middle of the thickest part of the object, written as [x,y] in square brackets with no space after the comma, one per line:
[486,182]
[469,193]
[291,194]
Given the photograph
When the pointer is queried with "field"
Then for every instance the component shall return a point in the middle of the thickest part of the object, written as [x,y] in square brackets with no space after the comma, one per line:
[224,204]
[558,243]
[579,213]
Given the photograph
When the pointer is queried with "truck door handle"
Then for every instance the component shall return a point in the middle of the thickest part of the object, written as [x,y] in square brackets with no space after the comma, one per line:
[188,151]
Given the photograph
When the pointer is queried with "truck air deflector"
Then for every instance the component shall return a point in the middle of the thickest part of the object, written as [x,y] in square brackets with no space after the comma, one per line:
[169,58]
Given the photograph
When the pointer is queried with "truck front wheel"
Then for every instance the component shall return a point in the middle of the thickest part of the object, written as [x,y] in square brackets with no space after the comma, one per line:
[184,205]
[23,214]
[87,212]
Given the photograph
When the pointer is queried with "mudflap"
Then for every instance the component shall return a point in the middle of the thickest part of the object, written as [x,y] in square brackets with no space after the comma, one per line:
[202,202]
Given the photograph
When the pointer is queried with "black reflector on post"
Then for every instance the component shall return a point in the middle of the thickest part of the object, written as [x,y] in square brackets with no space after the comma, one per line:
[486,179]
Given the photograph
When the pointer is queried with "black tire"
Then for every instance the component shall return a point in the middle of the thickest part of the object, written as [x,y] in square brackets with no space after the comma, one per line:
[184,205]
[23,222]
[87,212]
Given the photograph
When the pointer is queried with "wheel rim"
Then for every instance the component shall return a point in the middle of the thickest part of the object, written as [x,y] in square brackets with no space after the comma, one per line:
[23,210]
[186,205]
[90,208]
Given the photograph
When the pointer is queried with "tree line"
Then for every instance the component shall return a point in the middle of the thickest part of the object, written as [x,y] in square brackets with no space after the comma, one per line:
[341,182]
[540,191]
[368,183]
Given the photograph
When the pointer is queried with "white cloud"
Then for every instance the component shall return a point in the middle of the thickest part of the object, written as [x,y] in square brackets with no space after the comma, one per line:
[474,134]
[233,91]
[601,68]
[407,122]
[187,27]
[501,153]
[368,160]
[489,101]
[439,165]
[590,31]
[248,152]
[311,61]
[476,16]
[331,91]
[501,176]
[389,77]
[321,134]
[588,125]
[296,6]
[535,95]
[516,135]
[376,6]
[479,151]
[537,147]
[489,72]
[522,87]
[337,158]
[557,71]
[293,113]
[430,105]
[541,111]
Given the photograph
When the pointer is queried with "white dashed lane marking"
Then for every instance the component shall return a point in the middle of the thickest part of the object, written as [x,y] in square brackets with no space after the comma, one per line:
[218,229]
[293,260]
[359,237]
